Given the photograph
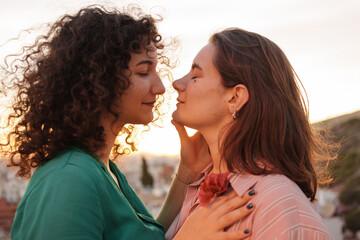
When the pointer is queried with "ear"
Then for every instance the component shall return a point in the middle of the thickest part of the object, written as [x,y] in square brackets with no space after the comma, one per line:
[239,96]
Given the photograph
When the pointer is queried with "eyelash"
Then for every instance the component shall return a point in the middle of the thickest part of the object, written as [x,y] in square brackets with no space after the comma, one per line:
[143,74]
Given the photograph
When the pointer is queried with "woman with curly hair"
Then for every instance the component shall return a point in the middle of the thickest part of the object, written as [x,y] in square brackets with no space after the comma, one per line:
[76,89]
[244,97]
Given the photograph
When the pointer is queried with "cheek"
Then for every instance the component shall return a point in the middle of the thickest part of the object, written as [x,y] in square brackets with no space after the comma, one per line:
[210,102]
[137,92]
[196,91]
[203,95]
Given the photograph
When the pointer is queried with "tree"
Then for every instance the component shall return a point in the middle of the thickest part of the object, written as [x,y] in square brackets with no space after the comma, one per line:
[146,179]
[352,220]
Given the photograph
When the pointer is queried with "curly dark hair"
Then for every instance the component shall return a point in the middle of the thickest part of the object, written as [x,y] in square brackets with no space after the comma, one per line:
[68,76]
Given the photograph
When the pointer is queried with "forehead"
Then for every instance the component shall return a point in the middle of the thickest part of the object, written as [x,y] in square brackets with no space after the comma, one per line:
[206,55]
[143,55]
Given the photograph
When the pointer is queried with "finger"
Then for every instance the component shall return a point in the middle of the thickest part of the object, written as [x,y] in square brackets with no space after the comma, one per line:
[199,140]
[235,215]
[219,201]
[232,194]
[227,203]
[233,235]
[197,136]
[250,193]
[180,129]
[237,202]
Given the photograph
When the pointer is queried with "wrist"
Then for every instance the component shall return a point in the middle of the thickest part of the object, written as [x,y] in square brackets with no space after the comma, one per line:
[186,175]
[179,179]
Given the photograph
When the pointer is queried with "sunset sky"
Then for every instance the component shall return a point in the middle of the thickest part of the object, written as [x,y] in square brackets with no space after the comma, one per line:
[320,37]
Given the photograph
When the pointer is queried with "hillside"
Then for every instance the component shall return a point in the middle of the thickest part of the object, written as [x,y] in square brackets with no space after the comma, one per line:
[345,169]
[331,122]
[345,130]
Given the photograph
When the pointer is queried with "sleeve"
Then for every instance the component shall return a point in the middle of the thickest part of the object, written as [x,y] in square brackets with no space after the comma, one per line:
[71,208]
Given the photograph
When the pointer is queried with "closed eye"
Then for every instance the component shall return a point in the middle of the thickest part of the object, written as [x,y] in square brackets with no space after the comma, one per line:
[143,74]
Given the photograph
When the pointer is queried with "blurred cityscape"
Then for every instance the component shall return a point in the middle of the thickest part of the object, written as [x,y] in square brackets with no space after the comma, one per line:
[151,175]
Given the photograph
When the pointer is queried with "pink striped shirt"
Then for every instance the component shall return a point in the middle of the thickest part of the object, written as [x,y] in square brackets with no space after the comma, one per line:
[282,211]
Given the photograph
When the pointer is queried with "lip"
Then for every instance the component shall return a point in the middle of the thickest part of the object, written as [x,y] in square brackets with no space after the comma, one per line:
[180,101]
[149,104]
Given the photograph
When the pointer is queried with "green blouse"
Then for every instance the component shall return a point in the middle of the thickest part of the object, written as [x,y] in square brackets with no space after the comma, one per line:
[73,196]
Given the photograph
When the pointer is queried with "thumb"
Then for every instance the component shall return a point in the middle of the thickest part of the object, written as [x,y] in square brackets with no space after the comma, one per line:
[180,129]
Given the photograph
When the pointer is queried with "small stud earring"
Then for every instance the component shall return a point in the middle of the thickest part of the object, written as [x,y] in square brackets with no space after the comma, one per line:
[234,114]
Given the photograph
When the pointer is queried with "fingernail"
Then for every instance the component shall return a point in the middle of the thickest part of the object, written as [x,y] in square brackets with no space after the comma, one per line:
[246,231]
[252,192]
[250,206]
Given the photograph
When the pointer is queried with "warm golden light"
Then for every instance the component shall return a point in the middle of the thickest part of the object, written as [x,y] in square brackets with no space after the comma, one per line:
[325,62]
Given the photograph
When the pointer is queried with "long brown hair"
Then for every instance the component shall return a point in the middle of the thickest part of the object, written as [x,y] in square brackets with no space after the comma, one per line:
[68,76]
[271,133]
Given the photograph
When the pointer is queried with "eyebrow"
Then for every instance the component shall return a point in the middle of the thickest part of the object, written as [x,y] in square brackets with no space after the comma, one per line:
[145,62]
[195,65]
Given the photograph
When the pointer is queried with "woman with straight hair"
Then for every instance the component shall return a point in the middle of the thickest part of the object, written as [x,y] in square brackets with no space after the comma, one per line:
[244,97]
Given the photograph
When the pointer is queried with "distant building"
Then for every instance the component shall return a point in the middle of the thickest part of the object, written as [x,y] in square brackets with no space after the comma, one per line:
[12,189]
[7,213]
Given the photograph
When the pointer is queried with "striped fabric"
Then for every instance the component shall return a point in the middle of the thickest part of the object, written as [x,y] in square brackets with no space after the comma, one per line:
[281,212]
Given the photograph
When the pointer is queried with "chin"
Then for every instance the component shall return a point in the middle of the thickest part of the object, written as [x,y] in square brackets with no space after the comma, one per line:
[180,119]
[148,120]
[176,117]
[145,120]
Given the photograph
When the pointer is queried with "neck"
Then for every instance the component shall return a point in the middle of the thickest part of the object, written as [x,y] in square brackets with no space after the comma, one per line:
[111,133]
[104,154]
[213,140]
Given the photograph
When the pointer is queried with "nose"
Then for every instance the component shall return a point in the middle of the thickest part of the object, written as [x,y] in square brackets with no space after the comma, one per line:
[180,84]
[158,86]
